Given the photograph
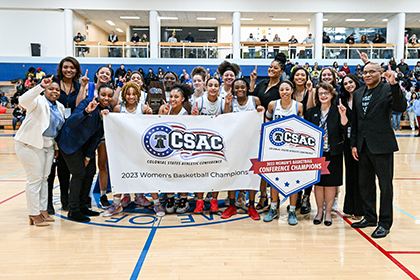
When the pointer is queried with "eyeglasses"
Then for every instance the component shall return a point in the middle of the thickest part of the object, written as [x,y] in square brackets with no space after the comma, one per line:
[371,72]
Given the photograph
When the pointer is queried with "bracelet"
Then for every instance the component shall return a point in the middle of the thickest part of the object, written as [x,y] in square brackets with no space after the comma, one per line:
[120,84]
[87,111]
[87,158]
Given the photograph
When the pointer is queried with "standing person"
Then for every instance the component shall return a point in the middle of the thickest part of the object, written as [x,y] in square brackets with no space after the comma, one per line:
[277,109]
[251,50]
[144,39]
[276,49]
[120,73]
[112,38]
[150,77]
[414,41]
[416,109]
[267,90]
[210,104]
[404,68]
[228,71]
[363,39]
[180,94]
[373,106]
[135,77]
[169,80]
[199,79]
[172,39]
[332,118]
[308,50]
[190,39]
[78,140]
[188,80]
[293,40]
[264,49]
[68,75]
[135,39]
[34,145]
[353,207]
[410,111]
[240,101]
[325,38]
[80,50]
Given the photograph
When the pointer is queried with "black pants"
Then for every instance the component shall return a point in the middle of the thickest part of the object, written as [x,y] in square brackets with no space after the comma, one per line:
[63,175]
[381,165]
[81,180]
[352,200]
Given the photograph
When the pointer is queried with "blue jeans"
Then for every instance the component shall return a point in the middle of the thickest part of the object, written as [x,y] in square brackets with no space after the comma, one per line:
[308,53]
[396,118]
[251,53]
[15,120]
[263,52]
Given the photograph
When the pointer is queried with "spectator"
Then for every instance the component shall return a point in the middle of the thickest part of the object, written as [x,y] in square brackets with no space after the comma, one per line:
[182,76]
[350,39]
[276,49]
[410,109]
[190,51]
[188,80]
[378,39]
[293,40]
[172,39]
[264,49]
[358,72]
[363,39]
[150,77]
[189,38]
[308,50]
[160,74]
[144,39]
[39,74]
[81,49]
[3,99]
[19,114]
[336,67]
[135,39]
[403,67]
[112,71]
[120,73]
[251,49]
[325,38]
[113,38]
[30,72]
[345,68]
[29,81]
[412,51]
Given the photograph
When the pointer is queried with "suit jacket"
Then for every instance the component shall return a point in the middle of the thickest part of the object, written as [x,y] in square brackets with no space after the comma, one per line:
[335,128]
[374,127]
[82,130]
[37,117]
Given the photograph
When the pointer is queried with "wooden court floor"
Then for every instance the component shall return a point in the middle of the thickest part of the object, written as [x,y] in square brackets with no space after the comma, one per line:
[136,245]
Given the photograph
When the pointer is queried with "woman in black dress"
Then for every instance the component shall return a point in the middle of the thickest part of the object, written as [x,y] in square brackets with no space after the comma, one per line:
[352,201]
[333,119]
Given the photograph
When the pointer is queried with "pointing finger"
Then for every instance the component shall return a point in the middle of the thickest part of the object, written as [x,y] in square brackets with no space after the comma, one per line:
[86,72]
[255,68]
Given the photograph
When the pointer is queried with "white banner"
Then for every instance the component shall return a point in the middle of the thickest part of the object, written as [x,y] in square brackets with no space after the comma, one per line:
[150,153]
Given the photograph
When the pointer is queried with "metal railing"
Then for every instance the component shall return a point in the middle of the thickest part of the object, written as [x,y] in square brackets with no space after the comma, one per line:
[412,51]
[195,50]
[107,49]
[349,51]
[268,50]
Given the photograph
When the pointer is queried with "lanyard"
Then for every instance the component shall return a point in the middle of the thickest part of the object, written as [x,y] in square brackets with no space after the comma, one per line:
[323,120]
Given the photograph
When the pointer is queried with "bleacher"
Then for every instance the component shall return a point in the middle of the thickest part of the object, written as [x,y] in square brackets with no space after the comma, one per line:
[6,119]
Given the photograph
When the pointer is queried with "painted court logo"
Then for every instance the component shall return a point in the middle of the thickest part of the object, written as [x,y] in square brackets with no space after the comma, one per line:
[169,139]
[280,136]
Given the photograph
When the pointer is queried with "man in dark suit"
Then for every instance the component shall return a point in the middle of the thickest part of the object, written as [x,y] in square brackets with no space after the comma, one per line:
[373,143]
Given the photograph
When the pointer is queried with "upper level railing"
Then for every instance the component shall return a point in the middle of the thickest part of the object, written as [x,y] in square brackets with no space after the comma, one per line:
[108,49]
[195,50]
[264,50]
[349,51]
[412,51]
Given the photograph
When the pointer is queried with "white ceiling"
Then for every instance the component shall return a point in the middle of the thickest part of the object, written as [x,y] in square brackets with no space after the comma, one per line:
[98,17]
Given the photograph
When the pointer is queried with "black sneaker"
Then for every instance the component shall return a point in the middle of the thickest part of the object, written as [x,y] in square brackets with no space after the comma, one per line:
[78,217]
[306,205]
[170,205]
[104,202]
[87,212]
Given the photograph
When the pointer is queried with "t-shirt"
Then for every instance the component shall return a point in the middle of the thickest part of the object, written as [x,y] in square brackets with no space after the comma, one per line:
[367,96]
[266,97]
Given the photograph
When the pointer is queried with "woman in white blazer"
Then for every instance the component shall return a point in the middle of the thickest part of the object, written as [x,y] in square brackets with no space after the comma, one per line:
[34,145]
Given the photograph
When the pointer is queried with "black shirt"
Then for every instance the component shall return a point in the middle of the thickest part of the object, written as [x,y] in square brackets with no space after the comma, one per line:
[266,97]
[69,101]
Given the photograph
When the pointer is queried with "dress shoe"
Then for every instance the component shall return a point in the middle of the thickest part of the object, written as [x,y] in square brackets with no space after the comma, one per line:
[87,212]
[317,222]
[363,223]
[380,232]
[47,217]
[78,217]
[327,223]
[50,209]
[37,221]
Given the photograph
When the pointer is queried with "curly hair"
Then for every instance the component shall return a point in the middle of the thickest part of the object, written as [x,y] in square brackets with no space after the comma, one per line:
[185,89]
[226,66]
[199,71]
[125,89]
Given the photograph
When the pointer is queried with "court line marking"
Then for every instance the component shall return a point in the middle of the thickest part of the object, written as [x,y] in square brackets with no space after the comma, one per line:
[13,196]
[144,252]
[12,174]
[404,252]
[382,250]
[2,181]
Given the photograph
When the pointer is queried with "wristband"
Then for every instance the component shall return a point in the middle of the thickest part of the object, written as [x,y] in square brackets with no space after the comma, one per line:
[120,84]
[268,114]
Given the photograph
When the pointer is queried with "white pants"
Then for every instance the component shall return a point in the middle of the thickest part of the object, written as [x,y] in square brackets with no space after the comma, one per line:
[37,164]
[413,119]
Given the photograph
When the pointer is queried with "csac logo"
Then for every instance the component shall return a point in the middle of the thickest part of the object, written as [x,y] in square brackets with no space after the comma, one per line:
[155,90]
[281,136]
[170,139]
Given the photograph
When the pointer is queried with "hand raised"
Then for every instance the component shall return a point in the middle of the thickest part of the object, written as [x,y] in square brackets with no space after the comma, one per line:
[228,98]
[85,79]
[253,76]
[166,107]
[124,80]
[363,56]
[92,106]
[341,108]
[147,109]
[47,82]
[195,111]
[390,75]
[309,85]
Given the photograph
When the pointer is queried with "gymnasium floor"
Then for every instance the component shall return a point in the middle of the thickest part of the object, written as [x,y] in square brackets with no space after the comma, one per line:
[135,244]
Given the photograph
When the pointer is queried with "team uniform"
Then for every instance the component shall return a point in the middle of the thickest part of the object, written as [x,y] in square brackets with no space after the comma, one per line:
[206,107]
[182,112]
[249,105]
[194,98]
[279,112]
[139,109]
[222,92]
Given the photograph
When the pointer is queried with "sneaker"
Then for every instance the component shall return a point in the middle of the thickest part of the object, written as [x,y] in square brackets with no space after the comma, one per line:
[253,213]
[103,201]
[159,210]
[199,207]
[183,206]
[77,216]
[271,215]
[229,212]
[195,197]
[306,205]
[240,201]
[227,202]
[142,201]
[209,196]
[170,205]
[335,204]
[214,206]
[162,197]
[113,210]
[125,201]
[292,218]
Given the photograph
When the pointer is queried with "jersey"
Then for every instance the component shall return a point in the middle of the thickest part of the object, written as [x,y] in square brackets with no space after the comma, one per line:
[279,112]
[205,107]
[139,109]
[249,105]
[182,112]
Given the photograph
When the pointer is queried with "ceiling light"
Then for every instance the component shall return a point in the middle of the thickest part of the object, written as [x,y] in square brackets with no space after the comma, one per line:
[129,17]
[281,19]
[169,18]
[355,19]
[385,19]
[205,29]
[119,30]
[206,18]
[110,22]
[247,19]
[173,29]
[325,19]
[140,28]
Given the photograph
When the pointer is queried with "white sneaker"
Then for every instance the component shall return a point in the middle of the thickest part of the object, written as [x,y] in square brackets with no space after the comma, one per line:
[335,204]
[115,209]
[142,201]
[240,201]
[125,201]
